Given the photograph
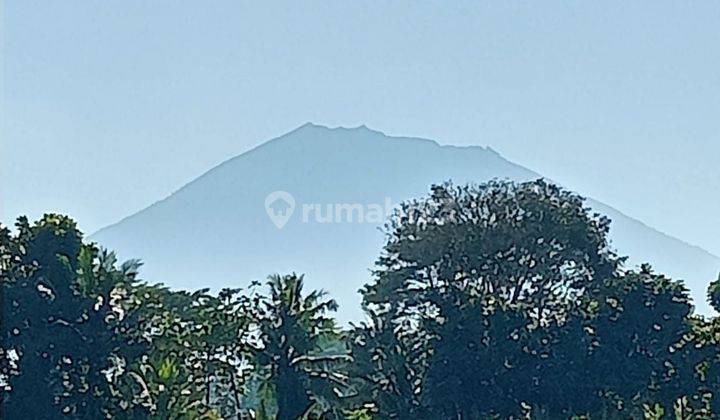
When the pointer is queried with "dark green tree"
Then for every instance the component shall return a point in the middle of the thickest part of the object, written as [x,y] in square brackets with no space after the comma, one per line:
[228,326]
[531,248]
[40,308]
[506,300]
[168,380]
[58,320]
[298,336]
[495,301]
[714,294]
[634,327]
[82,338]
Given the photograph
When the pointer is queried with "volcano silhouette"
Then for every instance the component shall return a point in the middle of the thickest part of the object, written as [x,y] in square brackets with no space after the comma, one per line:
[216,232]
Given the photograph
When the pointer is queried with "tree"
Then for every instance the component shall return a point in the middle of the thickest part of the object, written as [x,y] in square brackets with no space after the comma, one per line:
[296,336]
[229,342]
[635,324]
[40,309]
[168,379]
[88,340]
[506,300]
[497,301]
[531,242]
[58,320]
[714,294]
[529,247]
[200,351]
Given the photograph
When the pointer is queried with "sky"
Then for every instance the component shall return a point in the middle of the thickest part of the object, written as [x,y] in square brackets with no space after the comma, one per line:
[108,107]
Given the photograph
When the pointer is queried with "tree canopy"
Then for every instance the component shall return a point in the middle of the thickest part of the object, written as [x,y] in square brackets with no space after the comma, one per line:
[500,300]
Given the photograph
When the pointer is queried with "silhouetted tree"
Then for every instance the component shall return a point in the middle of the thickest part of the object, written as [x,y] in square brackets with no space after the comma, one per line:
[87,340]
[505,300]
[496,301]
[58,320]
[297,333]
[714,294]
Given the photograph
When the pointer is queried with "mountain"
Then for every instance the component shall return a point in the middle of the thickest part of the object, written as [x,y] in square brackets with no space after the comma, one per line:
[217,231]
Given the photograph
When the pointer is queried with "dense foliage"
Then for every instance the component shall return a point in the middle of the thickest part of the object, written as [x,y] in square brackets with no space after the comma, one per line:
[496,301]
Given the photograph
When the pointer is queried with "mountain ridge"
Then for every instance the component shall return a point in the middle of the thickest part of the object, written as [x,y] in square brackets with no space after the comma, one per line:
[288,134]
[318,164]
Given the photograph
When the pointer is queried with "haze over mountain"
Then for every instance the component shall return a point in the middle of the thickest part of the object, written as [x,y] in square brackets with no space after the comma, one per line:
[216,231]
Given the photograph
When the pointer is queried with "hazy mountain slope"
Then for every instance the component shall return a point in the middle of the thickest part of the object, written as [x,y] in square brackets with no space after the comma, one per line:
[215,231]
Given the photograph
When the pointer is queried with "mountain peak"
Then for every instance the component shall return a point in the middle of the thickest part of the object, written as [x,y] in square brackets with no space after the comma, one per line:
[311,126]
[217,232]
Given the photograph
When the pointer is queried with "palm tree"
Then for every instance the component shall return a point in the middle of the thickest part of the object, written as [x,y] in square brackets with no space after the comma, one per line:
[298,335]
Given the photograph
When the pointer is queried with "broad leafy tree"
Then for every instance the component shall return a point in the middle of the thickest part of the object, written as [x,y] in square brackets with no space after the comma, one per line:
[59,321]
[502,300]
[714,294]
[506,300]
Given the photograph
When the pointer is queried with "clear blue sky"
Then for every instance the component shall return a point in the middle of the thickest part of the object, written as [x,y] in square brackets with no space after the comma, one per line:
[110,106]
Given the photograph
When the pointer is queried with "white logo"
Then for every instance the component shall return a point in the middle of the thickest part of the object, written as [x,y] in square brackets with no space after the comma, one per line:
[279,205]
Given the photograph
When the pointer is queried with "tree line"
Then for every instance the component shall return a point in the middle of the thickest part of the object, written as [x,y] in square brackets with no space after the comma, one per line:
[499,300]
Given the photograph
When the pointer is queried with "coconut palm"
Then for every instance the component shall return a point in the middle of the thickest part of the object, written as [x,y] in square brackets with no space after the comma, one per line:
[298,355]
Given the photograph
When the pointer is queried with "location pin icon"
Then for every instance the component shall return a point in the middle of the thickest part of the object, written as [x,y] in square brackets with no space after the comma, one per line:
[279,206]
